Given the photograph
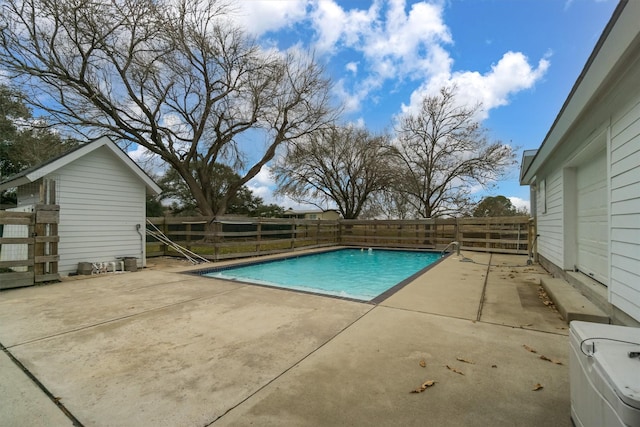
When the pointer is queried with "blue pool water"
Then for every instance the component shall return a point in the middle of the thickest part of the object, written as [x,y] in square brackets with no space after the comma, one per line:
[350,273]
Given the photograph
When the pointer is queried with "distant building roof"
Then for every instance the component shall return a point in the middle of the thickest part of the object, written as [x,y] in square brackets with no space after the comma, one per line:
[305,212]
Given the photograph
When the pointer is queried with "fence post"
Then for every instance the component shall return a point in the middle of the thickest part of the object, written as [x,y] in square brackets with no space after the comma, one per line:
[434,233]
[188,233]
[38,251]
[487,235]
[258,235]
[165,231]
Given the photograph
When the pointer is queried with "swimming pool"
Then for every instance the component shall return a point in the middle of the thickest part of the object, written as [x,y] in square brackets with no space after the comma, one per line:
[360,274]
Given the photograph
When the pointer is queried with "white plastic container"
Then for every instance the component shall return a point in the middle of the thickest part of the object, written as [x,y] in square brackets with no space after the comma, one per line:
[604,380]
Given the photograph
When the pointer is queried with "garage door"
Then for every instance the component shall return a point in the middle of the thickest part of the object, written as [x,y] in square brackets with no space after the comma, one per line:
[592,227]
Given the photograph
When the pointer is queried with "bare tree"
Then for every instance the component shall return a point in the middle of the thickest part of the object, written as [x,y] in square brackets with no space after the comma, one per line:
[172,76]
[445,152]
[344,165]
[390,203]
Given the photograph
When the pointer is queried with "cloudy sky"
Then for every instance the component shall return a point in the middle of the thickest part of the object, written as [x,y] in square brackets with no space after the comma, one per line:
[520,58]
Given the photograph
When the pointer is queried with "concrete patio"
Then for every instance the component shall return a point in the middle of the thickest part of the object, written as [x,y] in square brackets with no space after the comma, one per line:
[161,348]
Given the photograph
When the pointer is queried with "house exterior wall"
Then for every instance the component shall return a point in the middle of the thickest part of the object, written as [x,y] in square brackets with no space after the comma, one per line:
[610,128]
[550,216]
[101,201]
[331,215]
[624,289]
[592,234]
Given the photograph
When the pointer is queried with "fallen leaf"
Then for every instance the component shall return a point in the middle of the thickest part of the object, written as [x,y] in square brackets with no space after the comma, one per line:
[528,324]
[543,357]
[423,363]
[494,366]
[537,387]
[454,370]
[526,347]
[460,359]
[424,386]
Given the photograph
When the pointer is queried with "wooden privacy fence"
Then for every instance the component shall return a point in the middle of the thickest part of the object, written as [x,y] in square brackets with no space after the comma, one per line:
[29,246]
[240,237]
[243,237]
[512,235]
[409,234]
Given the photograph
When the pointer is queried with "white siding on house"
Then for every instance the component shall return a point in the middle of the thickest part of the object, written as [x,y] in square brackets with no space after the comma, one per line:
[101,201]
[624,289]
[592,218]
[601,200]
[550,224]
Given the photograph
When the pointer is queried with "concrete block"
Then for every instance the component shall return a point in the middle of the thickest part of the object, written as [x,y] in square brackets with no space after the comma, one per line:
[571,304]
[85,268]
[130,264]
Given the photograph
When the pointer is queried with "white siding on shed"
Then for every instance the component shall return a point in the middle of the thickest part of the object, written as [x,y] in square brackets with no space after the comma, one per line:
[550,223]
[101,201]
[624,288]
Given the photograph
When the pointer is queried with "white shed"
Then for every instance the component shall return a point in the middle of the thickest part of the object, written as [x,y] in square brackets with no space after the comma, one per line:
[585,177]
[101,193]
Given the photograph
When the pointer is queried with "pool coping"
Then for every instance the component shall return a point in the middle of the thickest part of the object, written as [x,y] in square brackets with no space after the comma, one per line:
[374,301]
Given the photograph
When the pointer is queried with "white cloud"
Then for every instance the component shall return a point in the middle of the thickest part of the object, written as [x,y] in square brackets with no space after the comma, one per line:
[510,75]
[359,123]
[397,42]
[263,177]
[351,101]
[147,160]
[262,185]
[328,21]
[519,203]
[261,16]
[394,43]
